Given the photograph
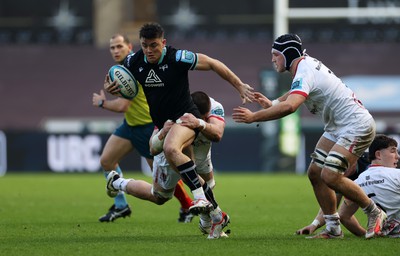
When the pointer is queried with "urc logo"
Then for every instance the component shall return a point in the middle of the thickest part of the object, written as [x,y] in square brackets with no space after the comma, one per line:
[74,153]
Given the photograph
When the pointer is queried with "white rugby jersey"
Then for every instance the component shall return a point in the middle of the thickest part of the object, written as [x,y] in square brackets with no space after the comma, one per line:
[326,95]
[201,145]
[382,185]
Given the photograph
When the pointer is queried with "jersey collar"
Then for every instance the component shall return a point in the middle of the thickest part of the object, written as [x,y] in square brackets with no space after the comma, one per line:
[297,65]
[164,52]
[375,165]
[123,61]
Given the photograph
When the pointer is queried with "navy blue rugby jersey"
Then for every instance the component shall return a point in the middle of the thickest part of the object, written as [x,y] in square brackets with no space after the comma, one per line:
[165,84]
[362,164]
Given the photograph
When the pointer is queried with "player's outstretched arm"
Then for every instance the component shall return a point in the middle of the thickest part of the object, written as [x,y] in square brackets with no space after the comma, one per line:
[119,105]
[284,108]
[213,129]
[243,115]
[262,100]
[265,102]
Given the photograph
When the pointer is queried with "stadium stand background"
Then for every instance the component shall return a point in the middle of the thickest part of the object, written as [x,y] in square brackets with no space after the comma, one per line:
[55,78]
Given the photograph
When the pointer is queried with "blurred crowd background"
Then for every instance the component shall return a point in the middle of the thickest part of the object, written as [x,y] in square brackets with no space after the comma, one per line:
[54,56]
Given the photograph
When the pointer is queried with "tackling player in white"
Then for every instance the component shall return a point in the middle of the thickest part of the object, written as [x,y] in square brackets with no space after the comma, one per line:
[165,178]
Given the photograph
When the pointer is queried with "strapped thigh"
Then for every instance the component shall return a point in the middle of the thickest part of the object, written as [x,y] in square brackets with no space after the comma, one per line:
[336,162]
[318,157]
[162,195]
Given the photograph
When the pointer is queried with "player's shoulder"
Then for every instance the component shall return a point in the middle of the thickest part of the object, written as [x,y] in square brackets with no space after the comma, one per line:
[170,52]
[393,172]
[379,171]
[306,74]
[307,64]
[182,55]
[134,58]
[216,108]
[215,103]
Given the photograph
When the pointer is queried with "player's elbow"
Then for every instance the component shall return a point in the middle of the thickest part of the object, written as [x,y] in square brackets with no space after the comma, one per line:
[122,105]
[288,109]
[217,137]
[123,108]
[154,151]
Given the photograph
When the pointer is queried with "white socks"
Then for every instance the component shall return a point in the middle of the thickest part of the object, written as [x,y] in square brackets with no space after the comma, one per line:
[199,194]
[211,183]
[121,184]
[333,223]
[216,215]
[370,208]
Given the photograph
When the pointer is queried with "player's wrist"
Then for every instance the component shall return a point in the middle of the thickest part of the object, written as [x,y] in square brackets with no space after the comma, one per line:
[100,103]
[316,223]
[202,124]
[157,142]
[275,102]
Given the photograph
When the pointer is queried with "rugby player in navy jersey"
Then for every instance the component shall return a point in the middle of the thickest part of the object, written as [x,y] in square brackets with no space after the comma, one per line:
[163,73]
[134,133]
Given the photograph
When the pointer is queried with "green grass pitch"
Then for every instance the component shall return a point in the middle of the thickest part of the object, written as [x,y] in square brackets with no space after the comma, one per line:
[57,214]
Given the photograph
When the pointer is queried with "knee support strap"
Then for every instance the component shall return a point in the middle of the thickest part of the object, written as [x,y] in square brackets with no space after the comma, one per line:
[318,157]
[336,162]
[161,195]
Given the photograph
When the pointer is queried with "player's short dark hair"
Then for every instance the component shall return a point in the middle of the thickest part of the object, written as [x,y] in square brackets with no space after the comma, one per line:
[151,31]
[125,38]
[380,142]
[202,102]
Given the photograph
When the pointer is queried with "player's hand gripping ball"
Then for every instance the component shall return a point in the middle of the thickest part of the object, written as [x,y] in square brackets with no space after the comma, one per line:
[125,80]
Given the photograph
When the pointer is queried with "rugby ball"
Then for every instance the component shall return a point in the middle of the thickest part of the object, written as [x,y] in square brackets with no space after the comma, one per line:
[125,80]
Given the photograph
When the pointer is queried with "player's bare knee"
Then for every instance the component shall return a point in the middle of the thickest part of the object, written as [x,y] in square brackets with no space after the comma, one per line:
[170,151]
[317,163]
[161,196]
[314,173]
[331,179]
[106,163]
